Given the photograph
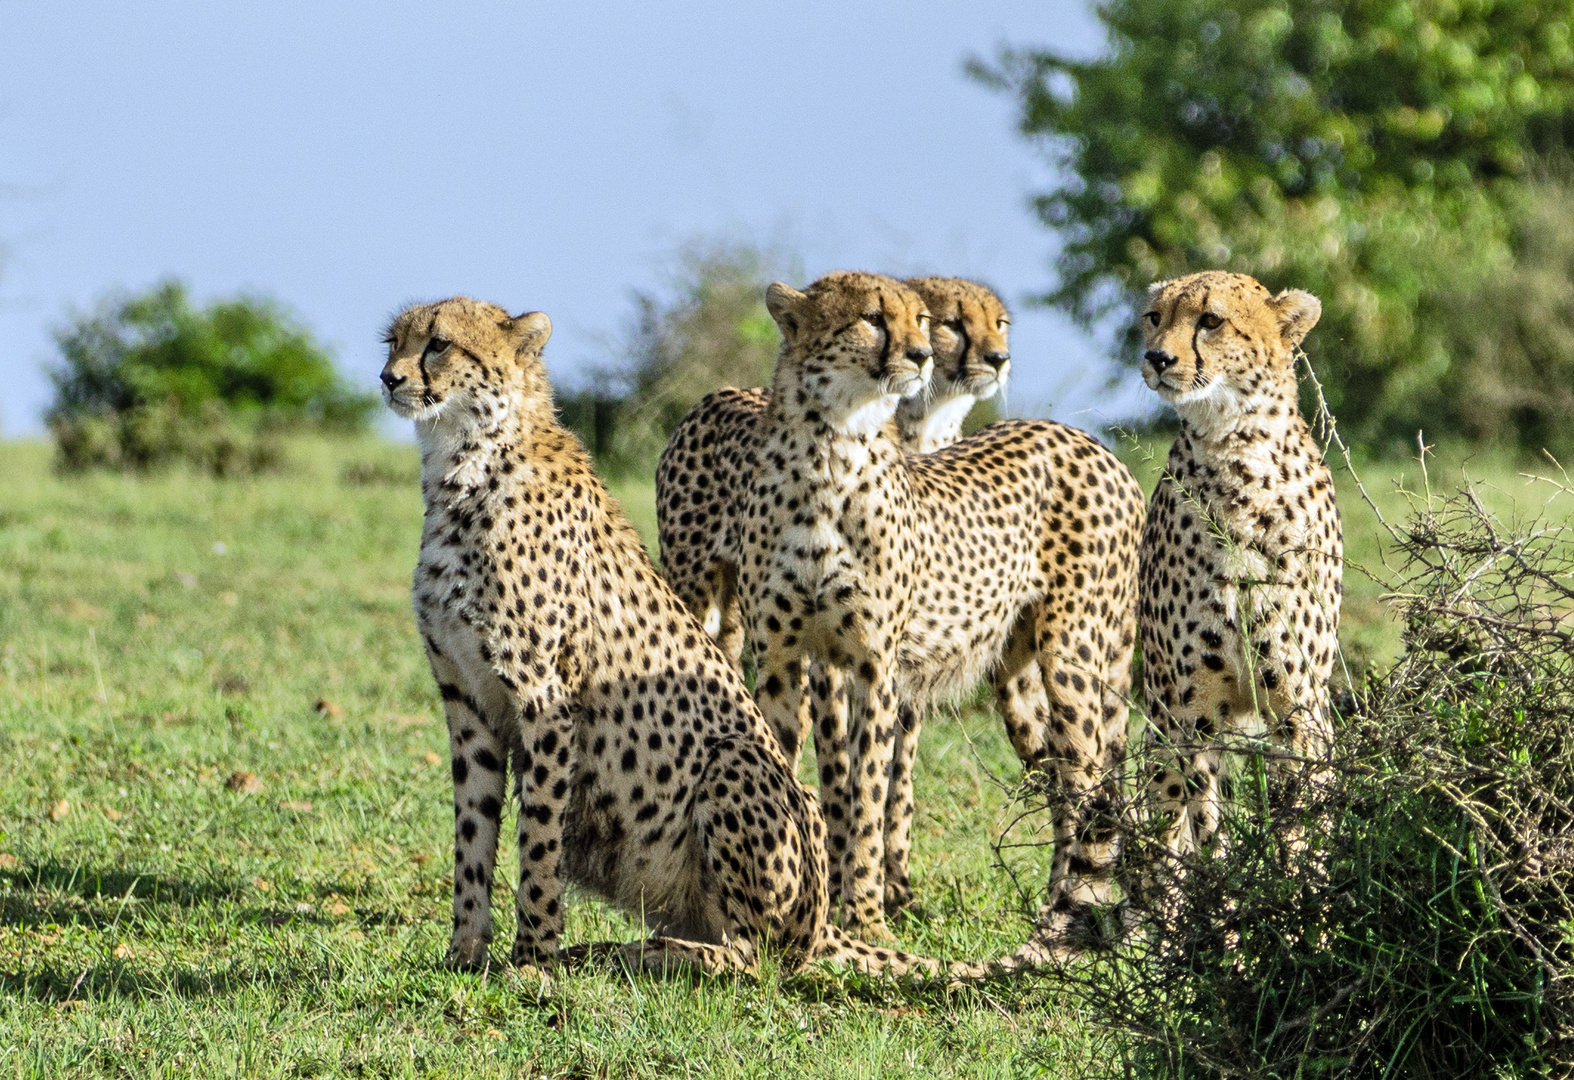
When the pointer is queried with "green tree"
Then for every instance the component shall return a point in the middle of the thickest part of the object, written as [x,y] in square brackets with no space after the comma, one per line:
[151,377]
[710,330]
[1371,151]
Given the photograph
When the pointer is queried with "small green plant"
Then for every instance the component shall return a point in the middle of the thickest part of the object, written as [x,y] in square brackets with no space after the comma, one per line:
[150,379]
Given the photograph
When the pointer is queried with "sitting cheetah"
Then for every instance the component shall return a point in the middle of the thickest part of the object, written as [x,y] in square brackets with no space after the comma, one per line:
[701,469]
[907,578]
[1241,556]
[643,770]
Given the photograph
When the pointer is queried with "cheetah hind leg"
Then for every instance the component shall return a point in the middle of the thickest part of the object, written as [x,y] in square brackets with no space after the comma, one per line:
[899,809]
[723,615]
[1081,736]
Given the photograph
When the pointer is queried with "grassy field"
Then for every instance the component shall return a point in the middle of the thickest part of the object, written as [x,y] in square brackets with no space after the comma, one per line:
[225,820]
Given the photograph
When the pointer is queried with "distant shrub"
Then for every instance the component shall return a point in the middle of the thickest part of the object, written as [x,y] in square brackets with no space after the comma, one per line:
[1410,915]
[712,331]
[150,379]
[151,436]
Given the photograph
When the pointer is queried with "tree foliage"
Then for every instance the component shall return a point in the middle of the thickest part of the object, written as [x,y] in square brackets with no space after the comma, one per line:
[710,330]
[1371,151]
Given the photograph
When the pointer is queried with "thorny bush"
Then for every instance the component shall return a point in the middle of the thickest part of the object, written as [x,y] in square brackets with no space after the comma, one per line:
[1405,908]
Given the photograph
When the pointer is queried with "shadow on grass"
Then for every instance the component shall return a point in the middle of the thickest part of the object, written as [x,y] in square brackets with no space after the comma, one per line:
[56,983]
[52,893]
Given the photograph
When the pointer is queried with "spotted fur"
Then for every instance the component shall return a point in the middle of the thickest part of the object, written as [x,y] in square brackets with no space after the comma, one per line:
[701,469]
[1242,553]
[642,769]
[906,579]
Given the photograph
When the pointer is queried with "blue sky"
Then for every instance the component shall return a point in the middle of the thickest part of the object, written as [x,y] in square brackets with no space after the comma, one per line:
[348,157]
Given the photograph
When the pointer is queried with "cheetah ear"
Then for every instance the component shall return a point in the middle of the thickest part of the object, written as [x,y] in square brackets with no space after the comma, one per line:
[530,331]
[1298,312]
[784,302]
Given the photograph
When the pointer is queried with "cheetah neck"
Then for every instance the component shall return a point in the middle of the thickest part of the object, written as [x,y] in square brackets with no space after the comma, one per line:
[928,426]
[809,395]
[824,475]
[461,444]
[1247,472]
[1229,418]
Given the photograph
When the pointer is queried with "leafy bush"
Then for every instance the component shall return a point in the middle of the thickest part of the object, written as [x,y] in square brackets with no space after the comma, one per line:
[149,379]
[1371,151]
[1410,914]
[1512,338]
[159,434]
[713,332]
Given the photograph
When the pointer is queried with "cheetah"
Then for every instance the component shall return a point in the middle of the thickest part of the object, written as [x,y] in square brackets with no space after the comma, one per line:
[643,770]
[1242,553]
[697,477]
[701,469]
[905,579]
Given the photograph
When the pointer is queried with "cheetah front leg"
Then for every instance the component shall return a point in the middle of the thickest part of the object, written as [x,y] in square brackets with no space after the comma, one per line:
[899,810]
[872,711]
[542,773]
[1184,791]
[478,756]
[827,701]
[780,685]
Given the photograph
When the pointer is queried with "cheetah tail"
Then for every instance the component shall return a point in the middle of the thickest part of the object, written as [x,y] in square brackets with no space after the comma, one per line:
[842,948]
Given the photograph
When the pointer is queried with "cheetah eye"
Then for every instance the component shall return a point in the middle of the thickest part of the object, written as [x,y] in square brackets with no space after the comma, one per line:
[435,347]
[875,319]
[1210,321]
[1002,324]
[1152,317]
[389,339]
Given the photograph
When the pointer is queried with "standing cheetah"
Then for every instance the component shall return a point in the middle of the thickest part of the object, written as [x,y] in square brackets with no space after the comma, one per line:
[702,468]
[643,770]
[907,578]
[1241,556]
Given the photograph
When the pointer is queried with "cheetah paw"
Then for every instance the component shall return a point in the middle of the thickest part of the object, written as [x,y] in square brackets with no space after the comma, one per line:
[468,954]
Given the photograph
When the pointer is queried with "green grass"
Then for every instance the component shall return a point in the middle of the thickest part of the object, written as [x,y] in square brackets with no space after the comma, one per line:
[160,635]
[155,922]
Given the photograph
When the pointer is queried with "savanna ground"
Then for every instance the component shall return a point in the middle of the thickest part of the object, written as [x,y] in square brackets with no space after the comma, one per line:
[225,820]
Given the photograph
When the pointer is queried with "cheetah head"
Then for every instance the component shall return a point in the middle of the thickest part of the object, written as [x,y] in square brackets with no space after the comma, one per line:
[462,362]
[968,330]
[853,345]
[1215,340]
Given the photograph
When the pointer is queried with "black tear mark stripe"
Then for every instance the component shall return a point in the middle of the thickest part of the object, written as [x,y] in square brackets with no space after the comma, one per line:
[885,328]
[967,345]
[1196,379]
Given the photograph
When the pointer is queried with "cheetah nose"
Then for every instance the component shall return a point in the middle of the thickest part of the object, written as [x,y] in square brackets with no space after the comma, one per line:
[1161,361]
[390,380]
[919,353]
[997,360]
